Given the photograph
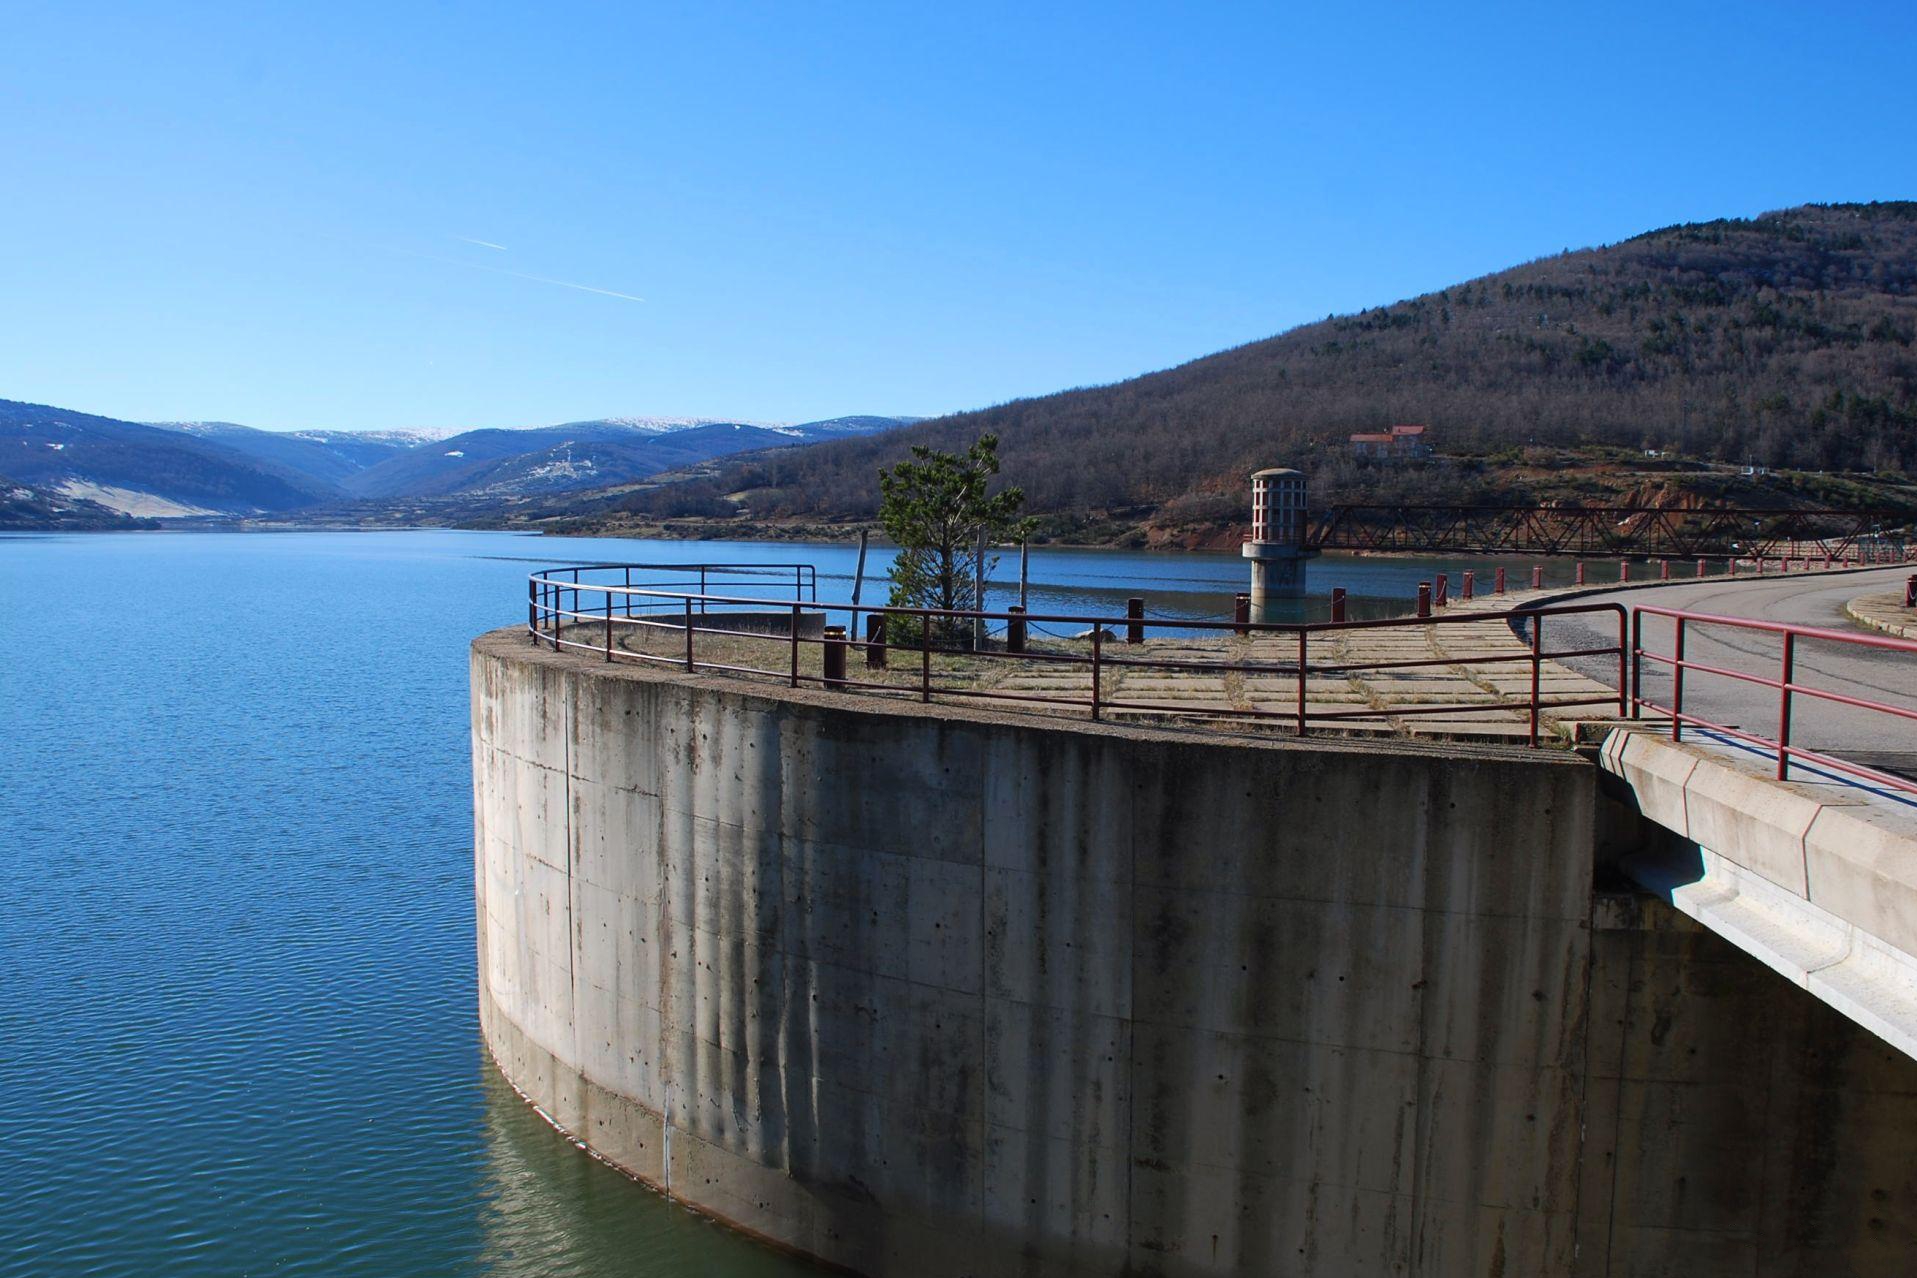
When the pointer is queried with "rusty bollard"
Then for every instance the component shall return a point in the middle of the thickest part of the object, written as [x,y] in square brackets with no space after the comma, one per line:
[1498,583]
[1134,620]
[1338,604]
[1241,613]
[1470,580]
[1015,629]
[835,646]
[1537,576]
[1424,599]
[1580,572]
[875,641]
[1441,593]
[1910,591]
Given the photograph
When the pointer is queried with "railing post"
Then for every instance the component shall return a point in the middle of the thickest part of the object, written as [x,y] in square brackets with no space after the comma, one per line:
[1677,683]
[1700,567]
[1338,605]
[1424,599]
[1637,664]
[1623,709]
[1098,634]
[875,641]
[558,606]
[609,625]
[1580,572]
[1537,663]
[1470,580]
[1784,706]
[795,645]
[1134,620]
[628,591]
[532,612]
[1241,614]
[1663,570]
[1623,570]
[688,634]
[1015,629]
[1498,584]
[1537,576]
[925,656]
[834,660]
[1303,661]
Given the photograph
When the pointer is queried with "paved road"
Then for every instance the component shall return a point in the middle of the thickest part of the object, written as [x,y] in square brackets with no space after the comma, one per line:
[1815,600]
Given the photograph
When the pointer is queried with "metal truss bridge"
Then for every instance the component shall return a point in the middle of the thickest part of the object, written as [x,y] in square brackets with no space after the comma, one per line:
[1602,531]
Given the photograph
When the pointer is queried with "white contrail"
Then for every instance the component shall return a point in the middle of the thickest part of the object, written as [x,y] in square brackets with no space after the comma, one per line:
[520,275]
[482,243]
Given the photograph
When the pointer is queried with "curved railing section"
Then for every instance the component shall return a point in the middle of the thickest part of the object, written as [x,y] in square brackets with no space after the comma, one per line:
[767,621]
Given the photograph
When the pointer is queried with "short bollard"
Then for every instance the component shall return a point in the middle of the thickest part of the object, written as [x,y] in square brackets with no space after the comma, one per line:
[1015,629]
[1910,591]
[1700,567]
[1241,613]
[1424,599]
[835,646]
[875,641]
[1663,570]
[1623,570]
[1537,576]
[1497,586]
[1134,621]
[1580,575]
[1338,602]
[1441,593]
[1470,580]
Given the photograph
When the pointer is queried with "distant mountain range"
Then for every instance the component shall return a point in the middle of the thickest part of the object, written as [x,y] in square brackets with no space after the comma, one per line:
[65,463]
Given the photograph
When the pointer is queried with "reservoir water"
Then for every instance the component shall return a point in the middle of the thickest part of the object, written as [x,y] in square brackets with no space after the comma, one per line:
[237,1012]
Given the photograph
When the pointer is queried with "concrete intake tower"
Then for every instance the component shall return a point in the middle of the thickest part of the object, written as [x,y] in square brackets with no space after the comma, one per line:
[1278,546]
[928,991]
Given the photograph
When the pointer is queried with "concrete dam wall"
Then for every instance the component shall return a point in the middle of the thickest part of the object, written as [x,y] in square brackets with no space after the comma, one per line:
[921,991]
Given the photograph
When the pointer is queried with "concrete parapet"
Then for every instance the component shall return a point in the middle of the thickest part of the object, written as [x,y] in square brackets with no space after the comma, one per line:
[926,991]
[1819,884]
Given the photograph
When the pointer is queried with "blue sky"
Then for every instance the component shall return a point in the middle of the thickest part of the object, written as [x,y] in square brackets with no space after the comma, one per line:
[283,215]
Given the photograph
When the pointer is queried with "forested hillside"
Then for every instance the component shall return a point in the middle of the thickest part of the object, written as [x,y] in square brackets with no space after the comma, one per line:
[1785,339]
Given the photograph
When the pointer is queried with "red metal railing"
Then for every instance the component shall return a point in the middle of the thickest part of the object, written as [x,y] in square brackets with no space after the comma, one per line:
[567,609]
[1786,684]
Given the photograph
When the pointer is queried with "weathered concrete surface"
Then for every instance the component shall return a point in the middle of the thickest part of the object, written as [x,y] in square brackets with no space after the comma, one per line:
[924,991]
[1735,1128]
